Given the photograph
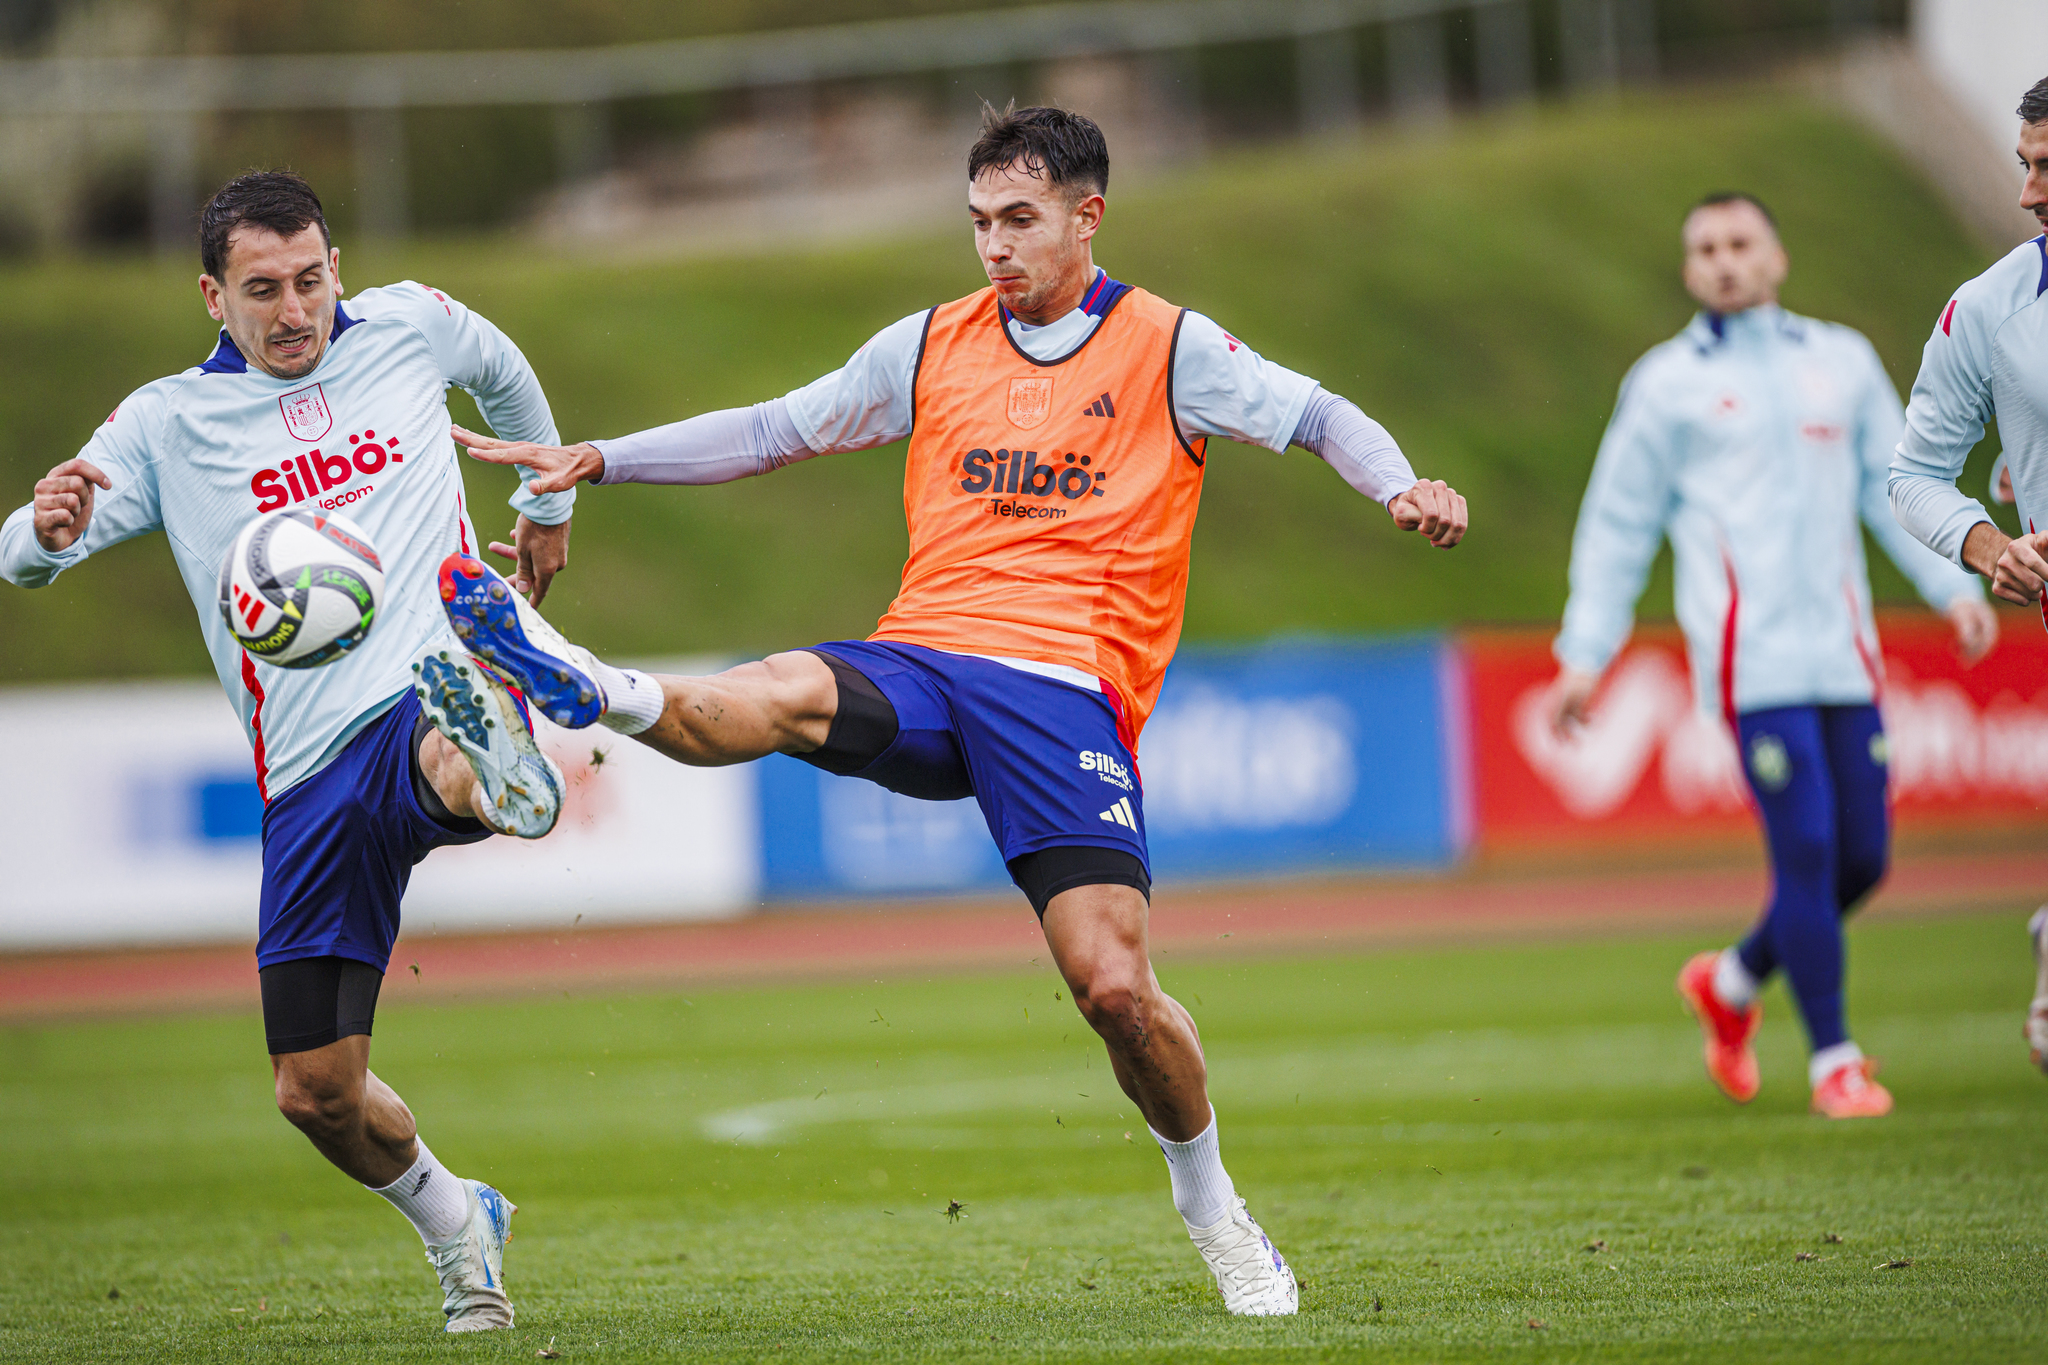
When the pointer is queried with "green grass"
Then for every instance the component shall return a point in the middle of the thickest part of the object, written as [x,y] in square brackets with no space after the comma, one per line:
[1482,293]
[1433,1137]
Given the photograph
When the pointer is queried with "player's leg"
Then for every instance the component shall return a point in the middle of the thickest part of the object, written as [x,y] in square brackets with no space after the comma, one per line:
[476,756]
[1853,740]
[2035,1030]
[1785,758]
[782,704]
[1097,932]
[338,849]
[1859,763]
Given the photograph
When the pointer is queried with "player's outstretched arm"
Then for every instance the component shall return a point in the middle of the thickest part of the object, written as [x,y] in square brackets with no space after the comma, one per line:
[713,447]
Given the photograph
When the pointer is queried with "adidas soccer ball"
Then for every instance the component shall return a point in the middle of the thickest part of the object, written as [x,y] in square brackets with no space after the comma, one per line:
[300,589]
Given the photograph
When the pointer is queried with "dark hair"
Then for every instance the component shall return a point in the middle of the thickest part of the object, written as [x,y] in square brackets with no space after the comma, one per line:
[1062,148]
[1721,198]
[279,201]
[2034,104]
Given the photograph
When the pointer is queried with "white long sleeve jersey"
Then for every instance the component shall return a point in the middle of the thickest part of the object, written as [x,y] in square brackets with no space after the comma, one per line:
[1987,356]
[198,454]
[1757,441]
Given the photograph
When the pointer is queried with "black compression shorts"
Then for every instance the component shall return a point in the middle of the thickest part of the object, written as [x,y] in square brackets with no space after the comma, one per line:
[310,1002]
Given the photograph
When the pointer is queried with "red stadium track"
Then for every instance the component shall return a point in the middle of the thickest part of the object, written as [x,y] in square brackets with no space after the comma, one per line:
[821,942]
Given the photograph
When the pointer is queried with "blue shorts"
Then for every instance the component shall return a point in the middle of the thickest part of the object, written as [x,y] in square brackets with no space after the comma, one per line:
[339,847]
[1040,756]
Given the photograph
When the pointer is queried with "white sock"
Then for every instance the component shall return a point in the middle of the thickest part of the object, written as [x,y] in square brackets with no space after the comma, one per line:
[1830,1059]
[633,700]
[430,1197]
[1201,1187]
[1732,981]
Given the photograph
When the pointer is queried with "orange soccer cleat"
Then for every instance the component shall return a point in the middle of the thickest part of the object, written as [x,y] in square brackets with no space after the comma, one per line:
[1731,1062]
[1848,1092]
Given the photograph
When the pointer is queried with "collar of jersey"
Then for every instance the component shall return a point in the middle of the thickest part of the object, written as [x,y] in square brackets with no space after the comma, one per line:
[1096,303]
[227,358]
[1761,323]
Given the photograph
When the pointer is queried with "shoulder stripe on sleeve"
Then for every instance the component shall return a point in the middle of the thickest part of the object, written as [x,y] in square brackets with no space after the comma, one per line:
[1948,315]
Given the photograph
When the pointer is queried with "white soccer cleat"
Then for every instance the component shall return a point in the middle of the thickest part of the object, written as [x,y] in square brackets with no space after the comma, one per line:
[1254,1277]
[471,704]
[471,1264]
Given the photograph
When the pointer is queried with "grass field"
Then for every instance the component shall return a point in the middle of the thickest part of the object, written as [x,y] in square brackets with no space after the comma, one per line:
[1481,293]
[1438,1139]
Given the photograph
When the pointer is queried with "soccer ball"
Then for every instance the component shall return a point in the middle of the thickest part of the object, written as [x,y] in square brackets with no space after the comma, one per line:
[299,589]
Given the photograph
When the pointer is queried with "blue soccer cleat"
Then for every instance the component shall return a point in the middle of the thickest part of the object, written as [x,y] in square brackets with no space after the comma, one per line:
[495,623]
[471,1264]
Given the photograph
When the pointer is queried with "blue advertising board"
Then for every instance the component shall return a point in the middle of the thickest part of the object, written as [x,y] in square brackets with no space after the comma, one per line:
[1296,757]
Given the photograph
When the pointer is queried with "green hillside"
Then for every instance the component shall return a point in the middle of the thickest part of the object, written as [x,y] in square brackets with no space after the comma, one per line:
[1482,293]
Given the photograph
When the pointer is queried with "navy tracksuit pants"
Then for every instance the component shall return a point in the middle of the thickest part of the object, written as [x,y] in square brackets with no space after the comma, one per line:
[1818,773]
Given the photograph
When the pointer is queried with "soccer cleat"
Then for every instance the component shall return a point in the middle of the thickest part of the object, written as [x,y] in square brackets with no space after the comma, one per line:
[2035,1030]
[498,626]
[471,1264]
[470,704]
[1254,1277]
[1731,1061]
[1848,1092]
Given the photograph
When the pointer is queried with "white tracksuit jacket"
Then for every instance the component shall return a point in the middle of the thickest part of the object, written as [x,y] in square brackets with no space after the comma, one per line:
[1988,356]
[200,453]
[1757,441]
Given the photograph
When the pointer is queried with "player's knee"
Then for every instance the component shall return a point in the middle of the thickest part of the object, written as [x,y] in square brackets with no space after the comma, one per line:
[1111,999]
[318,1111]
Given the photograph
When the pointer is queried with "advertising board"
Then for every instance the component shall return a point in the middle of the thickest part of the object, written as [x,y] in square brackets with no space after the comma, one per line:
[1289,758]
[1965,742]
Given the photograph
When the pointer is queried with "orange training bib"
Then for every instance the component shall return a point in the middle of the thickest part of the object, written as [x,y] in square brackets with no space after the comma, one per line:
[1051,505]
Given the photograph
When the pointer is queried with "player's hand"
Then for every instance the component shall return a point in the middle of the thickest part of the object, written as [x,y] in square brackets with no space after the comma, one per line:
[1434,508]
[1571,699]
[2016,568]
[538,553]
[64,503]
[550,469]
[1976,627]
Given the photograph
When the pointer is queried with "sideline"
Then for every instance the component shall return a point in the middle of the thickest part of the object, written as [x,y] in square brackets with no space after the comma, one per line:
[852,940]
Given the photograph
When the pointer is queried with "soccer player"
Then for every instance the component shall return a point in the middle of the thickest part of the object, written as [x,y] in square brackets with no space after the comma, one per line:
[1059,423]
[311,404]
[1756,439]
[1988,354]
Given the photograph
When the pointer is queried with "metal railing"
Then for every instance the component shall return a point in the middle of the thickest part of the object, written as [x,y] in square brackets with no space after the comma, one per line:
[1600,42]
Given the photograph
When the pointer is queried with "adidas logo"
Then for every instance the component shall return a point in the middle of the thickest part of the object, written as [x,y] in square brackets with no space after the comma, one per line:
[421,1183]
[1120,814]
[1101,407]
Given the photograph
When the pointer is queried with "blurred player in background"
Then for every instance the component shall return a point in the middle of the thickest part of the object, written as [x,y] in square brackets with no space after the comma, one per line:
[1988,356]
[1756,439]
[306,403]
[1059,423]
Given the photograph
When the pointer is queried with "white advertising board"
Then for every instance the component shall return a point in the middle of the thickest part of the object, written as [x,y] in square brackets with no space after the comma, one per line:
[135,821]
